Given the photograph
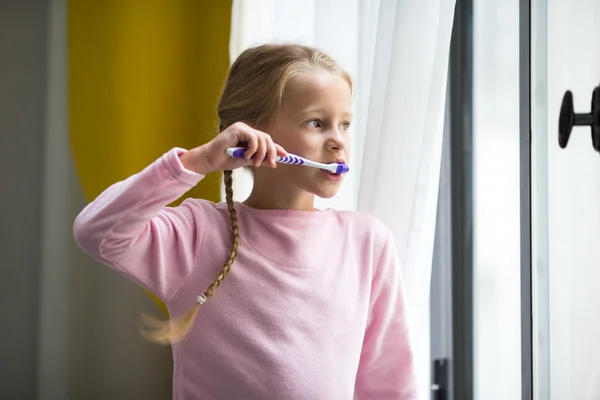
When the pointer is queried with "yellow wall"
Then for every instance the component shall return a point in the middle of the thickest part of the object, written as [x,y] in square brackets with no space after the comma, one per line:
[143,76]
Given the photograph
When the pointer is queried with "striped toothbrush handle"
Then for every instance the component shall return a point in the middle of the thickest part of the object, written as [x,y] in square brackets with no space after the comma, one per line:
[290,159]
[336,168]
[238,152]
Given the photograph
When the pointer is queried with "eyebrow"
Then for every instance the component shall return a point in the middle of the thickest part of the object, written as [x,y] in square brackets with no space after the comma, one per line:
[318,110]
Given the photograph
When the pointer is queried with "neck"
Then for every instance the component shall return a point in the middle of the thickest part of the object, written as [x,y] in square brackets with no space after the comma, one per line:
[267,195]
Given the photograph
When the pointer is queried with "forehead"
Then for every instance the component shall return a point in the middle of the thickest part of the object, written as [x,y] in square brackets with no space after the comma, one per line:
[318,90]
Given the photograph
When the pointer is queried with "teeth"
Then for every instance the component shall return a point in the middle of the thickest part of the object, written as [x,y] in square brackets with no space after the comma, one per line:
[329,172]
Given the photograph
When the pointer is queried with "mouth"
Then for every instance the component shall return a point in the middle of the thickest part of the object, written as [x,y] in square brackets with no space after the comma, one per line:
[335,174]
[332,177]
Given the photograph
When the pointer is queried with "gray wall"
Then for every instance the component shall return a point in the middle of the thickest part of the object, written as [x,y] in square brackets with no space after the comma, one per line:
[108,359]
[22,109]
[70,326]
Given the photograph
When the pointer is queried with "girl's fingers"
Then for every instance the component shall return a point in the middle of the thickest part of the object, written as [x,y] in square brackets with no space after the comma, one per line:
[250,138]
[261,152]
[260,148]
[271,152]
[280,150]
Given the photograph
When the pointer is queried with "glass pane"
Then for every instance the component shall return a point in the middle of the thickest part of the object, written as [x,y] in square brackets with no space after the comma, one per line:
[496,247]
[566,203]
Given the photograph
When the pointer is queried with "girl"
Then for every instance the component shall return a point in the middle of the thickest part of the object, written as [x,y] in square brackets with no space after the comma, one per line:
[309,303]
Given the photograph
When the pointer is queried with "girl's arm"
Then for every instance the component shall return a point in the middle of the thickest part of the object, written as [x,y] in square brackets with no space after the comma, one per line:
[129,228]
[386,370]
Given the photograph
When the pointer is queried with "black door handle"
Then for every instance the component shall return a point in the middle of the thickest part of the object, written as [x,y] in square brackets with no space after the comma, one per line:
[568,119]
[440,383]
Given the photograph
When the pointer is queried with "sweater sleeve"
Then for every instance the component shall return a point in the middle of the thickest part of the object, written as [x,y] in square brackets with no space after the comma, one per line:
[129,227]
[386,369]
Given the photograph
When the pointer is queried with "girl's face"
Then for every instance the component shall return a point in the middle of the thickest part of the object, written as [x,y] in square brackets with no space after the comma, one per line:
[313,123]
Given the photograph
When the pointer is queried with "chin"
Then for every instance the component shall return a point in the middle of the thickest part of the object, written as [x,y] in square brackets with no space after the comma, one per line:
[326,193]
[315,184]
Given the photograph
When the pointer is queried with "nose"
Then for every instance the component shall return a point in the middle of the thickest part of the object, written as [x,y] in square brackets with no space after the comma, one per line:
[336,141]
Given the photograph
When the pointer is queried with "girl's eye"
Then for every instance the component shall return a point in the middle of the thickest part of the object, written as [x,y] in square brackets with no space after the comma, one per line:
[345,126]
[315,123]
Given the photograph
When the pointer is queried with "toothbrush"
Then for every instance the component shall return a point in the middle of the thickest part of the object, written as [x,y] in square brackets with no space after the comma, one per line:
[336,168]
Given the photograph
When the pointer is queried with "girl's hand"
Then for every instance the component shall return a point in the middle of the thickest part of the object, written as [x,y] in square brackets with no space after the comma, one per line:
[211,156]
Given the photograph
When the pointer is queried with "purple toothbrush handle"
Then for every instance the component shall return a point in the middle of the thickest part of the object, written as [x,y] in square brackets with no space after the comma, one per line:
[239,153]
[289,159]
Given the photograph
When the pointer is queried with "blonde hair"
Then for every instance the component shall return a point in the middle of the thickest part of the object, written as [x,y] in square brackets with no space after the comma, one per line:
[253,93]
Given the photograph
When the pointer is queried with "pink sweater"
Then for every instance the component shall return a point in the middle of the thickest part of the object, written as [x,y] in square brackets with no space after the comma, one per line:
[312,309]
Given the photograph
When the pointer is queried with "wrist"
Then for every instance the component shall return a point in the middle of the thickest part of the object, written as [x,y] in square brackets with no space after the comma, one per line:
[196,160]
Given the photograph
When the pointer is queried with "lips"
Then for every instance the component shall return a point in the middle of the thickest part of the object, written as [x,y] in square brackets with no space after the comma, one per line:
[337,161]
[331,176]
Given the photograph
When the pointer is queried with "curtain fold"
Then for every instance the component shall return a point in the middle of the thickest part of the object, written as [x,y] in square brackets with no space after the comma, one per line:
[401,168]
[52,361]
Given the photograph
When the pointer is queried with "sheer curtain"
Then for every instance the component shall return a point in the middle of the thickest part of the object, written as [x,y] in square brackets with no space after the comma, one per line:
[397,52]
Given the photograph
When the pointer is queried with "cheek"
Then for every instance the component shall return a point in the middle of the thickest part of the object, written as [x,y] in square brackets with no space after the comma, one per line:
[287,138]
[302,144]
[296,174]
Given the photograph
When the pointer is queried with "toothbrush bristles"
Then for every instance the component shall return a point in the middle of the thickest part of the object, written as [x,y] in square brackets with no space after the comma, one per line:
[342,169]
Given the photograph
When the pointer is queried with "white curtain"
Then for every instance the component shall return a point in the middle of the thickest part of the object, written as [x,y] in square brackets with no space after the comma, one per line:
[397,51]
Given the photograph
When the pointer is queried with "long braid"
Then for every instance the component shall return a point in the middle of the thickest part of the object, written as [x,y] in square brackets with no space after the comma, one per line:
[228,178]
[166,332]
